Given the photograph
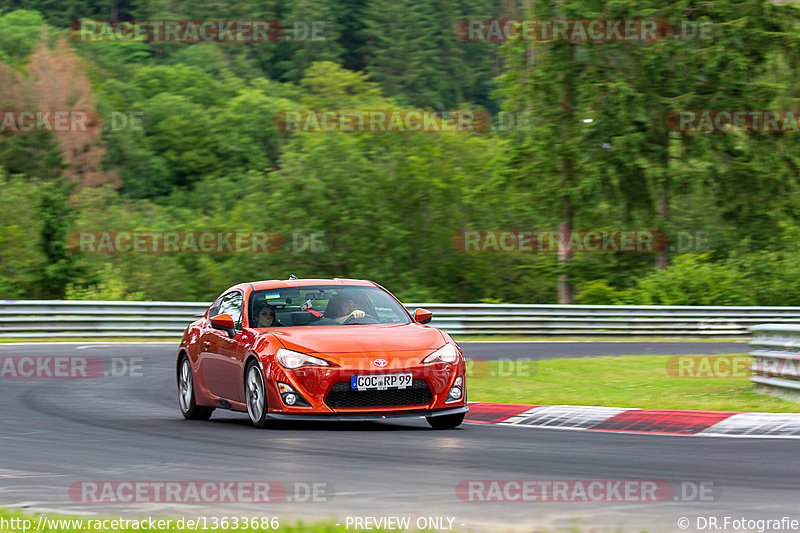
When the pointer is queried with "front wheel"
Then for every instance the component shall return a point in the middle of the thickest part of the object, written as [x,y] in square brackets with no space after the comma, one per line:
[255,395]
[189,408]
[446,421]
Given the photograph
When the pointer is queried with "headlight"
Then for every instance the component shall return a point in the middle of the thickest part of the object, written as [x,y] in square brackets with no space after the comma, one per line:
[290,359]
[445,354]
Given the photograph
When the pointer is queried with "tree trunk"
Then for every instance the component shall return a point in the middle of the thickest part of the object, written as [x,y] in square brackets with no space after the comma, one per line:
[566,290]
[662,257]
[662,205]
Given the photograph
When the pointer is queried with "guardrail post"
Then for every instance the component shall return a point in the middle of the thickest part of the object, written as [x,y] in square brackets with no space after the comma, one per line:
[776,360]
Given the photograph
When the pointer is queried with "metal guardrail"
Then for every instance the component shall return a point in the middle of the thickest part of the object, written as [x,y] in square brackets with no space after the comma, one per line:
[604,320]
[78,318]
[50,318]
[776,358]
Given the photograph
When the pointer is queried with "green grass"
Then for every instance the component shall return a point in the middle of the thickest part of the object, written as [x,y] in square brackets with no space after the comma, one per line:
[285,526]
[626,381]
[500,338]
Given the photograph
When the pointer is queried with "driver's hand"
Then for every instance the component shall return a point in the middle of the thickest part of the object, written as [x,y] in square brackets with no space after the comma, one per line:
[358,313]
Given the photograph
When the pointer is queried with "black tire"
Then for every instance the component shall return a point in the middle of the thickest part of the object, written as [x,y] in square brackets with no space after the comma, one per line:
[255,395]
[189,408]
[446,421]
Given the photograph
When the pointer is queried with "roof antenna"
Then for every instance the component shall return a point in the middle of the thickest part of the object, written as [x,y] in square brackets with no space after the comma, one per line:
[292,276]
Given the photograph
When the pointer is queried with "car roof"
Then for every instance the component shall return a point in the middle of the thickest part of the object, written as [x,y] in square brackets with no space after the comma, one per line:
[283,283]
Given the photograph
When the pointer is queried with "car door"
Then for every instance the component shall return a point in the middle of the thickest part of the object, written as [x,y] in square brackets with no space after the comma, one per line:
[223,362]
[204,358]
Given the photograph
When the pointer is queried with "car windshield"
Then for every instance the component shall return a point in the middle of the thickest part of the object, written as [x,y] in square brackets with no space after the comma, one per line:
[324,306]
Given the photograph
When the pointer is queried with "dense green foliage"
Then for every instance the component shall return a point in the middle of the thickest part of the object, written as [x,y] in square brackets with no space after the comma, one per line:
[595,152]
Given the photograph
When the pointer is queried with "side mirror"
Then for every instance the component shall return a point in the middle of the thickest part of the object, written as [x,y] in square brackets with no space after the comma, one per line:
[225,323]
[423,316]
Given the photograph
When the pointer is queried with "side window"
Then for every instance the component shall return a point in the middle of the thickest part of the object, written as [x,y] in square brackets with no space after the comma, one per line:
[214,309]
[232,305]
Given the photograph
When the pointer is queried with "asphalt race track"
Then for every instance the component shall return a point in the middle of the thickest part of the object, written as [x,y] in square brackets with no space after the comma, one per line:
[60,432]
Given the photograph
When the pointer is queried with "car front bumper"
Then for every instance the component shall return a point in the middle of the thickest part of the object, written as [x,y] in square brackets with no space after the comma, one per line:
[316,385]
[366,417]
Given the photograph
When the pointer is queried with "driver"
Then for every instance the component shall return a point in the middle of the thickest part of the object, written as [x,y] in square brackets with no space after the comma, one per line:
[343,308]
[265,317]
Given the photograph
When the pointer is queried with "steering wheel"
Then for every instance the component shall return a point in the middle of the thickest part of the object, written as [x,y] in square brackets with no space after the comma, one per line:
[351,319]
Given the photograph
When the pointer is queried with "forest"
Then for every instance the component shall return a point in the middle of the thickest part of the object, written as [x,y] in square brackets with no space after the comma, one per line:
[547,135]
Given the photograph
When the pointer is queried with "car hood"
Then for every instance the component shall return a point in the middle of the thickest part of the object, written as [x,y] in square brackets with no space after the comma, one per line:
[356,338]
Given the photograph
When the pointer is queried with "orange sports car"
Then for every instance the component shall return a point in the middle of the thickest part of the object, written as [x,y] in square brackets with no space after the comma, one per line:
[319,349]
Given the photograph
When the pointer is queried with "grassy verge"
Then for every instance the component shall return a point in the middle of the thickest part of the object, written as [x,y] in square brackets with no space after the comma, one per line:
[16,522]
[626,381]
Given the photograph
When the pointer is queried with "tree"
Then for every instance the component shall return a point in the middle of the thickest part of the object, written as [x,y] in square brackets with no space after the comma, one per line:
[55,217]
[20,255]
[60,83]
[552,83]
[644,83]
[20,33]
[412,50]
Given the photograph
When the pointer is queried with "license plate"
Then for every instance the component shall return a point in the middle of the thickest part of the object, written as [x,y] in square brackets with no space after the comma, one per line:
[381,381]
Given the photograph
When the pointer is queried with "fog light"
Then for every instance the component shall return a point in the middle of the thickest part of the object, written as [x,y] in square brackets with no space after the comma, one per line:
[457,390]
[291,397]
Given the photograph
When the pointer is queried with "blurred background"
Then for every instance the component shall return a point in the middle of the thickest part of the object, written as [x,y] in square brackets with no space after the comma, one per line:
[580,141]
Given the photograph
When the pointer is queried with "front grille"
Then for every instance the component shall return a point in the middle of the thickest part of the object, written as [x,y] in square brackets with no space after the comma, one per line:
[343,397]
